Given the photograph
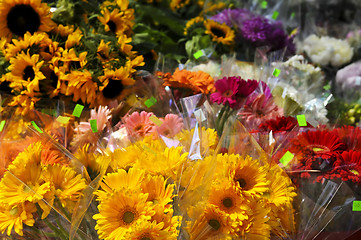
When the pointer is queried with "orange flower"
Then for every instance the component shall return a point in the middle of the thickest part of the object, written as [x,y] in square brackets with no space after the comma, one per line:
[198,82]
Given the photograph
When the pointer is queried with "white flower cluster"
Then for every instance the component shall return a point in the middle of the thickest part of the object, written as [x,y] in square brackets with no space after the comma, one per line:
[327,50]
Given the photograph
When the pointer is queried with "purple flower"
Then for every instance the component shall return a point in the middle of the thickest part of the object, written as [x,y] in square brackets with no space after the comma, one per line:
[256,30]
[232,17]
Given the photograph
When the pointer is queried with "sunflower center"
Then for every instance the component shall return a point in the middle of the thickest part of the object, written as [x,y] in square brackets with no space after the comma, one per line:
[113,89]
[23,18]
[228,93]
[214,224]
[28,73]
[54,79]
[145,238]
[112,26]
[128,217]
[242,182]
[227,202]
[218,32]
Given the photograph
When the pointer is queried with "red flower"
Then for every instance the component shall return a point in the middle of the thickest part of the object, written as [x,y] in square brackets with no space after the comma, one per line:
[350,136]
[350,169]
[280,124]
[227,89]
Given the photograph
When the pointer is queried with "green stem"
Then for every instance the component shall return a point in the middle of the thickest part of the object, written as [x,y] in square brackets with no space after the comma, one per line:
[55,229]
[219,117]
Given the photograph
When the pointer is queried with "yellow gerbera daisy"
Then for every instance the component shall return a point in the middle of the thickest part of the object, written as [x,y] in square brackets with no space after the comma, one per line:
[212,224]
[25,73]
[66,184]
[159,193]
[121,180]
[23,181]
[20,16]
[149,230]
[220,33]
[171,223]
[15,217]
[120,212]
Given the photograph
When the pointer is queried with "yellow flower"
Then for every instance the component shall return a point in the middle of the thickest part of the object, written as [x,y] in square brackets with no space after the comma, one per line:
[124,158]
[66,184]
[220,33]
[20,16]
[159,193]
[24,105]
[120,212]
[212,224]
[25,73]
[81,86]
[103,51]
[192,22]
[117,21]
[116,84]
[62,30]
[72,61]
[15,217]
[149,230]
[23,181]
[121,181]
[208,142]
[177,4]
[73,39]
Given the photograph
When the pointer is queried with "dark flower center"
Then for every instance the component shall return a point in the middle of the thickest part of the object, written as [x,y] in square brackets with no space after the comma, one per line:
[128,217]
[145,238]
[23,18]
[75,65]
[218,32]
[228,93]
[54,79]
[28,73]
[113,89]
[242,182]
[112,26]
[227,202]
[137,128]
[214,223]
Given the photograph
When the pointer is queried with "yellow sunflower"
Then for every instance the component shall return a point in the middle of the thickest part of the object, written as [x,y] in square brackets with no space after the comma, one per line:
[103,51]
[73,39]
[23,181]
[212,224]
[120,212]
[116,84]
[177,4]
[117,22]
[190,24]
[24,105]
[220,33]
[81,86]
[121,181]
[38,39]
[66,184]
[20,16]
[160,194]
[72,61]
[25,73]
[62,30]
[15,217]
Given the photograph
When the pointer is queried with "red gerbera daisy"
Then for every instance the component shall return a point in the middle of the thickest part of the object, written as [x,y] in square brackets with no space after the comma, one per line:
[279,124]
[350,136]
[351,169]
[227,89]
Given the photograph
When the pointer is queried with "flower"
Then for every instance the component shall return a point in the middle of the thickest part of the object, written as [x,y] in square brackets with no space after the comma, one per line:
[139,124]
[227,89]
[232,17]
[350,136]
[279,124]
[21,16]
[172,125]
[149,230]
[350,170]
[260,110]
[327,50]
[120,212]
[347,79]
[220,33]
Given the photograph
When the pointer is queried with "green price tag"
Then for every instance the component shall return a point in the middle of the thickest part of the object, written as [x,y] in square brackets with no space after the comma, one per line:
[327,87]
[275,15]
[287,157]
[36,127]
[63,120]
[155,120]
[301,120]
[198,54]
[93,125]
[356,206]
[293,14]
[264,4]
[2,125]
[150,102]
[77,110]
[276,72]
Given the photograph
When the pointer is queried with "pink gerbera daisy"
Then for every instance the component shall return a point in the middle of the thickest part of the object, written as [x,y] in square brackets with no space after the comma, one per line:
[172,124]
[139,124]
[259,111]
[227,89]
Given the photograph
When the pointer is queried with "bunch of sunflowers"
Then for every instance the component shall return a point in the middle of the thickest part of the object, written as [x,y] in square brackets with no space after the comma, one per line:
[76,51]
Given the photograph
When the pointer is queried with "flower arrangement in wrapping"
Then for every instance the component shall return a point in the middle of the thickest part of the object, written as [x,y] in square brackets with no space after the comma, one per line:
[81,52]
[237,30]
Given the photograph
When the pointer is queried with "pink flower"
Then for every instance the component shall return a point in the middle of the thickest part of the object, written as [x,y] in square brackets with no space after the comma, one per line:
[227,89]
[139,125]
[259,111]
[172,124]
